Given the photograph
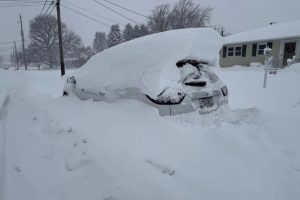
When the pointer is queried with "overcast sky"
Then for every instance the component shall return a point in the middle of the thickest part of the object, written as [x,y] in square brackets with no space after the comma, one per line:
[234,15]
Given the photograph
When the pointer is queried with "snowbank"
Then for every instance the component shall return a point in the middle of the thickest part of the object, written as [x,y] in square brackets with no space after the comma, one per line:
[260,67]
[293,68]
[148,63]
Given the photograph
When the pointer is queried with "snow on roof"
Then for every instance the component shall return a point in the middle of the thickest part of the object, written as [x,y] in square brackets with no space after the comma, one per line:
[148,63]
[271,32]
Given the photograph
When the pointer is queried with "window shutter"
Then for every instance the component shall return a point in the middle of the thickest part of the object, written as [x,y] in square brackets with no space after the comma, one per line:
[270,44]
[224,51]
[244,50]
[254,49]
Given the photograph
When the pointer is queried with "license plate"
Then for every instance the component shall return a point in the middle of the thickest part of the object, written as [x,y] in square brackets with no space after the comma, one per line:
[206,102]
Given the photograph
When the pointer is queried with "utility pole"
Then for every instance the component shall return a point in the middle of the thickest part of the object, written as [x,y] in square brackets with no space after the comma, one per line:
[16,54]
[13,57]
[61,53]
[23,43]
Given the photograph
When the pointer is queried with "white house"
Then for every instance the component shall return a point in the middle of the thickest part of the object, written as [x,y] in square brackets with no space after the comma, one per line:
[247,47]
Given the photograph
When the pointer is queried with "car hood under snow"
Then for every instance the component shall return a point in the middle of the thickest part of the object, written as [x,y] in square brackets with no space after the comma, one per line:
[148,63]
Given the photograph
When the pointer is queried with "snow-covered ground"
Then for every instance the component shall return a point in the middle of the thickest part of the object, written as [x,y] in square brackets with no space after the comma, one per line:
[54,147]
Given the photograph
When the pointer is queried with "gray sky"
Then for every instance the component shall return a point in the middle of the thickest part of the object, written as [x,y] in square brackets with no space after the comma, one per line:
[234,15]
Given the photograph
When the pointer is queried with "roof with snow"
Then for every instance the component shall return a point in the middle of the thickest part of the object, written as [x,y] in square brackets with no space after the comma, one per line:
[272,32]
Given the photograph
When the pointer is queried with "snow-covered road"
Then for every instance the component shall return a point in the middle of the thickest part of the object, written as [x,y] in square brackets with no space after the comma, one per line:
[64,148]
[3,130]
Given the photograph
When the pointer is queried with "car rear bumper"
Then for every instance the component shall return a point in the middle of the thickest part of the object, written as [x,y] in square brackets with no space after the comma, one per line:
[191,105]
[201,102]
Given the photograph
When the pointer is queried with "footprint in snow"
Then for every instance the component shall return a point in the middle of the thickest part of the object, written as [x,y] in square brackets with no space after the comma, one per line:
[18,169]
[84,141]
[110,198]
[78,162]
[296,104]
[162,168]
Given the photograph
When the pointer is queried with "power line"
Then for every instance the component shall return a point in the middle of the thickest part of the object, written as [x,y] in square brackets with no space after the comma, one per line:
[48,8]
[5,50]
[9,42]
[51,11]
[74,5]
[115,11]
[6,55]
[21,1]
[43,7]
[100,22]
[4,43]
[137,13]
[19,5]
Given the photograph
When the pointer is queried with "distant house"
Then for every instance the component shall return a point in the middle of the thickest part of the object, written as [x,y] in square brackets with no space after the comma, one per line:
[248,47]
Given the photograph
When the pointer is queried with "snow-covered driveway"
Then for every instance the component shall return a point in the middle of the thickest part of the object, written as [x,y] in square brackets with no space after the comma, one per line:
[64,148]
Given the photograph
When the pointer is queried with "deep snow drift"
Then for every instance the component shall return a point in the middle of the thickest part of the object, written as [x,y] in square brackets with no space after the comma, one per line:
[63,148]
[148,63]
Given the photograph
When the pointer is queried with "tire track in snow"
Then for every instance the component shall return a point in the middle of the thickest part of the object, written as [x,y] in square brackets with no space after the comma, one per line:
[3,129]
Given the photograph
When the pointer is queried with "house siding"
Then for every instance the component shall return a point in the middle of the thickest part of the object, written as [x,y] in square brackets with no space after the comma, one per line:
[230,61]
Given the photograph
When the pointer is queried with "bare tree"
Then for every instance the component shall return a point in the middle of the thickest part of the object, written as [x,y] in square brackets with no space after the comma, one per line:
[71,42]
[159,19]
[186,14]
[205,15]
[44,40]
[82,55]
[43,46]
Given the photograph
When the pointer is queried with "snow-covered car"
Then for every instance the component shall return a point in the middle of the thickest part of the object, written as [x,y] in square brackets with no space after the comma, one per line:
[169,70]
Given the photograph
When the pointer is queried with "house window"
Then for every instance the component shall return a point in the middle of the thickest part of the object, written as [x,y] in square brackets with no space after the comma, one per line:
[230,51]
[260,49]
[235,51]
[238,51]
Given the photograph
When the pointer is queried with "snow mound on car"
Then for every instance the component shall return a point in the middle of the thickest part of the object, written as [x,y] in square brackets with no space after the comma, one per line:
[148,63]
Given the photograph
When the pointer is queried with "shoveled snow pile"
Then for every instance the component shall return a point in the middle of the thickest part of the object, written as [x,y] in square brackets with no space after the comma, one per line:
[293,68]
[148,63]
